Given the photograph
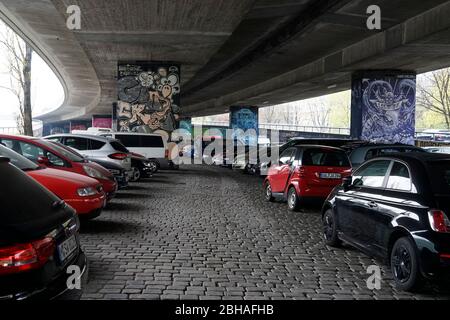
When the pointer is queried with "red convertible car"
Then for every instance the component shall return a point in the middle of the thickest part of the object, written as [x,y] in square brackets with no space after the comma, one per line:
[83,194]
[46,153]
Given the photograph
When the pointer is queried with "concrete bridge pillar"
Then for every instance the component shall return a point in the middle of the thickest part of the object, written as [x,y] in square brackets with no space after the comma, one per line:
[244,124]
[383,106]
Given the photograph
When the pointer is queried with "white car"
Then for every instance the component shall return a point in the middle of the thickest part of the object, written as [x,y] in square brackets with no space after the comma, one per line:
[437,149]
[96,147]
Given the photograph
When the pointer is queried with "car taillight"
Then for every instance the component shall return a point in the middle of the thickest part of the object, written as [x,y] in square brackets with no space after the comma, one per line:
[23,257]
[166,154]
[118,156]
[438,221]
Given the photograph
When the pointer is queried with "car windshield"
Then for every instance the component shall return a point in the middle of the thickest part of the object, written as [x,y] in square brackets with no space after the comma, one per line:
[18,160]
[59,144]
[325,157]
[440,176]
[64,152]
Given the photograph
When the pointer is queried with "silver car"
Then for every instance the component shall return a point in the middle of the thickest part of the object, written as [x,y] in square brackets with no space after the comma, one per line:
[96,147]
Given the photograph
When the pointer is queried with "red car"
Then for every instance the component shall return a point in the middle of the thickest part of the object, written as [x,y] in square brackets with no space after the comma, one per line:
[46,153]
[82,193]
[306,172]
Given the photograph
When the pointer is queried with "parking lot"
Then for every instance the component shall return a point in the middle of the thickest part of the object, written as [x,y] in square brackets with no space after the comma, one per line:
[205,232]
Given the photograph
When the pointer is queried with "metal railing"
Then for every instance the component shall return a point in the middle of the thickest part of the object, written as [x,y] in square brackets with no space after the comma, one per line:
[285,127]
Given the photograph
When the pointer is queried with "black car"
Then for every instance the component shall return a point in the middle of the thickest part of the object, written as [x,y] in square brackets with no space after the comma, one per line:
[119,172]
[38,240]
[396,207]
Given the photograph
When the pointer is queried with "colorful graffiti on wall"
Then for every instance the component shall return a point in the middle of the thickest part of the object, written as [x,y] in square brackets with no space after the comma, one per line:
[387,107]
[149,97]
[244,118]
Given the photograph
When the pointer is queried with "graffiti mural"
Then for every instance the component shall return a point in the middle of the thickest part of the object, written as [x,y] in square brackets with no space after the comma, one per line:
[245,119]
[386,108]
[149,97]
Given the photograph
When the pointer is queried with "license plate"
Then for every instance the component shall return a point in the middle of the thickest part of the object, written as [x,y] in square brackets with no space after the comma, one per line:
[327,175]
[67,247]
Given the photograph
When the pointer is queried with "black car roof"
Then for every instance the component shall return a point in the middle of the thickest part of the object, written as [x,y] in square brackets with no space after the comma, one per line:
[418,156]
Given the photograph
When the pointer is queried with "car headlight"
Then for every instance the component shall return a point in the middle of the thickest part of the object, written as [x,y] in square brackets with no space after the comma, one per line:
[86,192]
[94,173]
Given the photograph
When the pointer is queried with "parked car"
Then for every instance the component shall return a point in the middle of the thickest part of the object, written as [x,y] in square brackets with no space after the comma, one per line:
[306,172]
[360,152]
[396,207]
[142,167]
[434,135]
[96,147]
[38,240]
[151,146]
[119,172]
[331,142]
[82,193]
[46,153]
[437,149]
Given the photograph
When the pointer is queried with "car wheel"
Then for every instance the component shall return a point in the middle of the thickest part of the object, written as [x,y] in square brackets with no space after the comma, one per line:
[268,192]
[405,265]
[330,229]
[293,200]
[136,175]
[153,165]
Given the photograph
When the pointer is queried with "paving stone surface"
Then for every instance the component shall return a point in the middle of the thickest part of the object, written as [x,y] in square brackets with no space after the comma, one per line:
[206,233]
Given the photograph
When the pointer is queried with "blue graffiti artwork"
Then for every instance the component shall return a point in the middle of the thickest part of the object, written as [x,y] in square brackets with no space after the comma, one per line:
[244,121]
[388,109]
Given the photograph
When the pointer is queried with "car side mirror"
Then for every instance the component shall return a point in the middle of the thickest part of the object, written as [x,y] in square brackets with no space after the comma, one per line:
[347,183]
[43,161]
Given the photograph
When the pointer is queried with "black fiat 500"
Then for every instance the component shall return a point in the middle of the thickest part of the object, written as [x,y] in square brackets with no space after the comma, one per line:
[38,241]
[396,208]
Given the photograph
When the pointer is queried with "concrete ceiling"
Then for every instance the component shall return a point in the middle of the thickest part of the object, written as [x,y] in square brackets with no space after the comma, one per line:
[254,52]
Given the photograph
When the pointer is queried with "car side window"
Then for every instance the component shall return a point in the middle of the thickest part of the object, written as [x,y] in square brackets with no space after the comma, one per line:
[399,178]
[77,143]
[32,152]
[372,174]
[7,143]
[287,156]
[96,145]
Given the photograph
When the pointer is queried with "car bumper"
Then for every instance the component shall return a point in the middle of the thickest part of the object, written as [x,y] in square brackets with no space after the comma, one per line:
[434,252]
[57,289]
[85,206]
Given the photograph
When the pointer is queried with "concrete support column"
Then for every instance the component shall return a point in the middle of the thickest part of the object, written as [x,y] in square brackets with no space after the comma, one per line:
[244,123]
[383,106]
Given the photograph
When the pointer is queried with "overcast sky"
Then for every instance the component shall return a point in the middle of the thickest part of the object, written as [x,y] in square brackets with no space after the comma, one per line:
[46,92]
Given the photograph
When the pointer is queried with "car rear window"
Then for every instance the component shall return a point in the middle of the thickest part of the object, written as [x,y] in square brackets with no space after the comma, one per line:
[325,157]
[119,146]
[440,176]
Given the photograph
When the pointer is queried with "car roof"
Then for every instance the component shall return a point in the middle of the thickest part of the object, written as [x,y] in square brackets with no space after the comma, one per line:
[369,145]
[86,136]
[417,156]
[310,146]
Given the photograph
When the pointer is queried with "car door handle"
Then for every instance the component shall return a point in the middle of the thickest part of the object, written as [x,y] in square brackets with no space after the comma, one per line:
[373,204]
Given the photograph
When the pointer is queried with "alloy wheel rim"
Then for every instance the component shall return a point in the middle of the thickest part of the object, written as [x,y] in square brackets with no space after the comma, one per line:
[328,226]
[268,191]
[402,264]
[136,174]
[292,199]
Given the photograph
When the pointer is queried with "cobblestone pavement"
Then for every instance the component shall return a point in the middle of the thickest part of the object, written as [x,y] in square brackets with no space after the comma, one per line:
[206,233]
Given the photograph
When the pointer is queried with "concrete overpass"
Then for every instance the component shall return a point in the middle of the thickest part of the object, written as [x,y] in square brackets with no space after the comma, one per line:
[231,52]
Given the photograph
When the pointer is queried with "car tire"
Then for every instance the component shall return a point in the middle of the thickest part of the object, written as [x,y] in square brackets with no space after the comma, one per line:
[136,175]
[293,200]
[405,265]
[154,166]
[268,192]
[330,229]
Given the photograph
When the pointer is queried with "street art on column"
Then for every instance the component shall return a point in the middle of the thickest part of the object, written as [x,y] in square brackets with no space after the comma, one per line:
[383,106]
[149,97]
[245,119]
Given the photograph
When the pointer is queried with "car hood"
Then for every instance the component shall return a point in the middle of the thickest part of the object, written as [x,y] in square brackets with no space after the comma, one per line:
[100,168]
[48,175]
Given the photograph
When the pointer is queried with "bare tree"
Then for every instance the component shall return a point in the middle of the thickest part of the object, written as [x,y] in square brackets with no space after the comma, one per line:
[319,113]
[19,57]
[434,93]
